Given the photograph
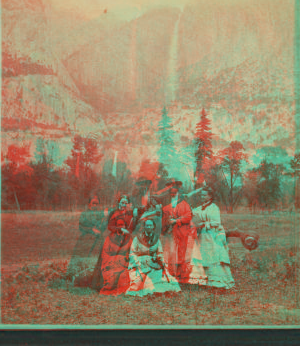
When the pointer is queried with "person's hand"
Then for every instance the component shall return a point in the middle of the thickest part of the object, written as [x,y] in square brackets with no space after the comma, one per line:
[135,212]
[207,225]
[125,231]
[158,209]
[96,231]
[129,207]
[143,218]
[172,222]
[220,228]
[176,238]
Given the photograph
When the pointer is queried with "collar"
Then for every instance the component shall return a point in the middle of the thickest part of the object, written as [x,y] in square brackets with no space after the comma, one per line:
[174,201]
[148,241]
[207,204]
[179,200]
[146,198]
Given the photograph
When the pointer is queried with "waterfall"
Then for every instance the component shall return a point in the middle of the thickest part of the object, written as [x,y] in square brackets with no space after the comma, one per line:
[133,63]
[173,79]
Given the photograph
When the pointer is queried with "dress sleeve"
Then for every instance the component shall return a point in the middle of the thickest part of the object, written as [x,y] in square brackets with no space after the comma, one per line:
[166,212]
[105,214]
[112,227]
[85,224]
[133,258]
[197,219]
[186,214]
[133,221]
[160,253]
[214,216]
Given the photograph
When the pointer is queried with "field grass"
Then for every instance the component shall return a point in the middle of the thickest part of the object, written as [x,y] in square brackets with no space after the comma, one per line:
[36,248]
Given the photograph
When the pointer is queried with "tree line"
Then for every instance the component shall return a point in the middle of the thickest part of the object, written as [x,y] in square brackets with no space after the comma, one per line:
[36,183]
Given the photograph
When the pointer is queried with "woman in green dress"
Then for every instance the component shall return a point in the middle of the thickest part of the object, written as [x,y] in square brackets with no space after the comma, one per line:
[92,224]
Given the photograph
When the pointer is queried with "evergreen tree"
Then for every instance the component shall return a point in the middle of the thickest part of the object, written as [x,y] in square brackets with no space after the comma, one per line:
[186,165]
[203,143]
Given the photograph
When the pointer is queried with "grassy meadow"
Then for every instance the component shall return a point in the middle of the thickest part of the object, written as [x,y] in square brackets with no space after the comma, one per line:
[36,248]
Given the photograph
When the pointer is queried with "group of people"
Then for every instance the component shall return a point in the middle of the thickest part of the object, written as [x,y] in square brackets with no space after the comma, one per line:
[155,242]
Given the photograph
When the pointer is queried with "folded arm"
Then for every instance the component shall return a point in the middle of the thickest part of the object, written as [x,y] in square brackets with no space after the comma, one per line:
[185,215]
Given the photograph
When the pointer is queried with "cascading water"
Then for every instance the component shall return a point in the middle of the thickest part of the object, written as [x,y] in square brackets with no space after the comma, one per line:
[133,63]
[172,77]
[183,168]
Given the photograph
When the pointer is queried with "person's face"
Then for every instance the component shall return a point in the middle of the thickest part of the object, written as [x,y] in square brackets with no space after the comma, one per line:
[123,203]
[149,227]
[205,197]
[94,204]
[143,188]
[173,192]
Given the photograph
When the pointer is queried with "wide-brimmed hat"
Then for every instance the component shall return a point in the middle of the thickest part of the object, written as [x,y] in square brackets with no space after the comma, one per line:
[250,240]
[174,183]
[143,182]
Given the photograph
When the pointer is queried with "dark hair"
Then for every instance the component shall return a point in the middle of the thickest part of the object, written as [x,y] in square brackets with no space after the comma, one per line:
[93,197]
[144,223]
[210,191]
[121,197]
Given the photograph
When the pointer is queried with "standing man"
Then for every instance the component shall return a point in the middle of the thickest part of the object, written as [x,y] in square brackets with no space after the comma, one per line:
[148,206]
[142,199]
[176,228]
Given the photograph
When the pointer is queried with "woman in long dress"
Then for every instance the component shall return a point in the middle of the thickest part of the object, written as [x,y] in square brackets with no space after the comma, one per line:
[147,271]
[89,241]
[177,217]
[210,259]
[115,251]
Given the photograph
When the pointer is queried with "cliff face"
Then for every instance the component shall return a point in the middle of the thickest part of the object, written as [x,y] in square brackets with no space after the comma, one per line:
[64,74]
[38,92]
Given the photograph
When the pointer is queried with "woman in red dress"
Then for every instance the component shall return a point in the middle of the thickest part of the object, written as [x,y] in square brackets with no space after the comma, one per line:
[115,252]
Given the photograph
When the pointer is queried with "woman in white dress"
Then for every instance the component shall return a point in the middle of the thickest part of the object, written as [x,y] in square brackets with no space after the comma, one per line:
[210,261]
[147,271]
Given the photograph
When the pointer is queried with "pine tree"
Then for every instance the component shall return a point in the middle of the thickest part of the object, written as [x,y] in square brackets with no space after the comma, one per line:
[203,142]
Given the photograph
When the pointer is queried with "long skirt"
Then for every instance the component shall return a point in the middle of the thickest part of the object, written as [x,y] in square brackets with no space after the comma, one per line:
[210,260]
[154,281]
[197,275]
[97,278]
[114,264]
[175,256]
[84,256]
[219,275]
